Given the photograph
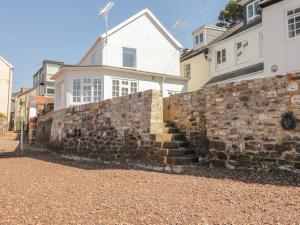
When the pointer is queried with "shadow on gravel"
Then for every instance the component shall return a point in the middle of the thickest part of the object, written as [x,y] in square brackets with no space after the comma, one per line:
[280,178]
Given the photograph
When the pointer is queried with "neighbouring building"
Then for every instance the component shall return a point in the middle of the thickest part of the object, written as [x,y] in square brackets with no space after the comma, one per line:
[137,55]
[238,53]
[265,44]
[28,104]
[6,74]
[194,64]
[42,80]
[21,112]
[281,29]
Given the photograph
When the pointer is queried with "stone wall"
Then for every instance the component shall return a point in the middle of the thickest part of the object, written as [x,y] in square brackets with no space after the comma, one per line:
[113,130]
[187,112]
[244,123]
[3,124]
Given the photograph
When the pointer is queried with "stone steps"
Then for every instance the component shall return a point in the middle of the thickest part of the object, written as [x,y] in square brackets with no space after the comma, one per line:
[185,160]
[177,152]
[175,149]
[167,137]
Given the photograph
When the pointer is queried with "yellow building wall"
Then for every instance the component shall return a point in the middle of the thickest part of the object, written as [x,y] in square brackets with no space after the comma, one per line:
[200,72]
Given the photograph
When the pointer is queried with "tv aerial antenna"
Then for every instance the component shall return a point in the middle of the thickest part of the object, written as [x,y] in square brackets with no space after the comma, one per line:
[104,13]
[178,25]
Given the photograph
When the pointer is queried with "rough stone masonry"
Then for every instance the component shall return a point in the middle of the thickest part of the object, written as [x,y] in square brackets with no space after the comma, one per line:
[244,123]
[114,130]
[248,124]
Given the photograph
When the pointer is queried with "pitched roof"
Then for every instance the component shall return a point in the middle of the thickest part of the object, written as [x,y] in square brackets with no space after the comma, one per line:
[236,29]
[6,62]
[146,12]
[192,53]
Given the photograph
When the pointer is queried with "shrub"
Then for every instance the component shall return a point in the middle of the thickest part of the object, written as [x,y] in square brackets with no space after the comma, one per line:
[2,116]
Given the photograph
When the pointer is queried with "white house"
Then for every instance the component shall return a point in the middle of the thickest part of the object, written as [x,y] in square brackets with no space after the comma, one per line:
[238,53]
[137,55]
[267,43]
[281,24]
[6,73]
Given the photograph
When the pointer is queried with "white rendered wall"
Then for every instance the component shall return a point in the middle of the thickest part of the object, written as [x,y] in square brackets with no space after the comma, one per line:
[5,88]
[155,53]
[145,82]
[253,52]
[279,50]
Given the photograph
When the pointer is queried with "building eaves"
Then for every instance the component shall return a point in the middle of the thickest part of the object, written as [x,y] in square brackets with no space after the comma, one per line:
[267,3]
[238,73]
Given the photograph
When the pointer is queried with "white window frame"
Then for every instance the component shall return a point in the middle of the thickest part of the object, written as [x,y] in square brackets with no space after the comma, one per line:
[197,39]
[87,93]
[52,88]
[98,97]
[222,65]
[123,86]
[243,50]
[187,72]
[292,16]
[78,97]
[254,10]
[134,58]
[83,99]
[201,35]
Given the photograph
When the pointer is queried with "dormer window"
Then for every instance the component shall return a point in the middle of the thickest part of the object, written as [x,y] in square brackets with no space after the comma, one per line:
[252,10]
[199,38]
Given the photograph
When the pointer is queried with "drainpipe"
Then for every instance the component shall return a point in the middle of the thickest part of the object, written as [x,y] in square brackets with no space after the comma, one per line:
[9,97]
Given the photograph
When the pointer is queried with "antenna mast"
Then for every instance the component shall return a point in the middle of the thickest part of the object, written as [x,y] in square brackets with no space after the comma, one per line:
[104,13]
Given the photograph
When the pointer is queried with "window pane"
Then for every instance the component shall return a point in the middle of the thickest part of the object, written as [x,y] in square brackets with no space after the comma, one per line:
[291,12]
[291,27]
[291,21]
[97,90]
[133,87]
[116,88]
[197,39]
[297,19]
[219,57]
[292,34]
[201,38]
[250,11]
[298,32]
[76,90]
[297,11]
[129,57]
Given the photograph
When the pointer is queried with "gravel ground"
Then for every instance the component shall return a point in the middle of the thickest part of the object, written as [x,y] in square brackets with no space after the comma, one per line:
[44,189]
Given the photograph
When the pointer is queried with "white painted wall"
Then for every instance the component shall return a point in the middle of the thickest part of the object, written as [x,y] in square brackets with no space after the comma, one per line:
[5,88]
[253,52]
[155,53]
[145,82]
[279,50]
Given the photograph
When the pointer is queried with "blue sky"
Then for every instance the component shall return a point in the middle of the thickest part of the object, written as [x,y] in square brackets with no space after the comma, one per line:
[34,30]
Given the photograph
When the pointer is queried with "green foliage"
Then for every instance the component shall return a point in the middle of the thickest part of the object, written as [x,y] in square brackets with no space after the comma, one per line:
[2,116]
[231,15]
